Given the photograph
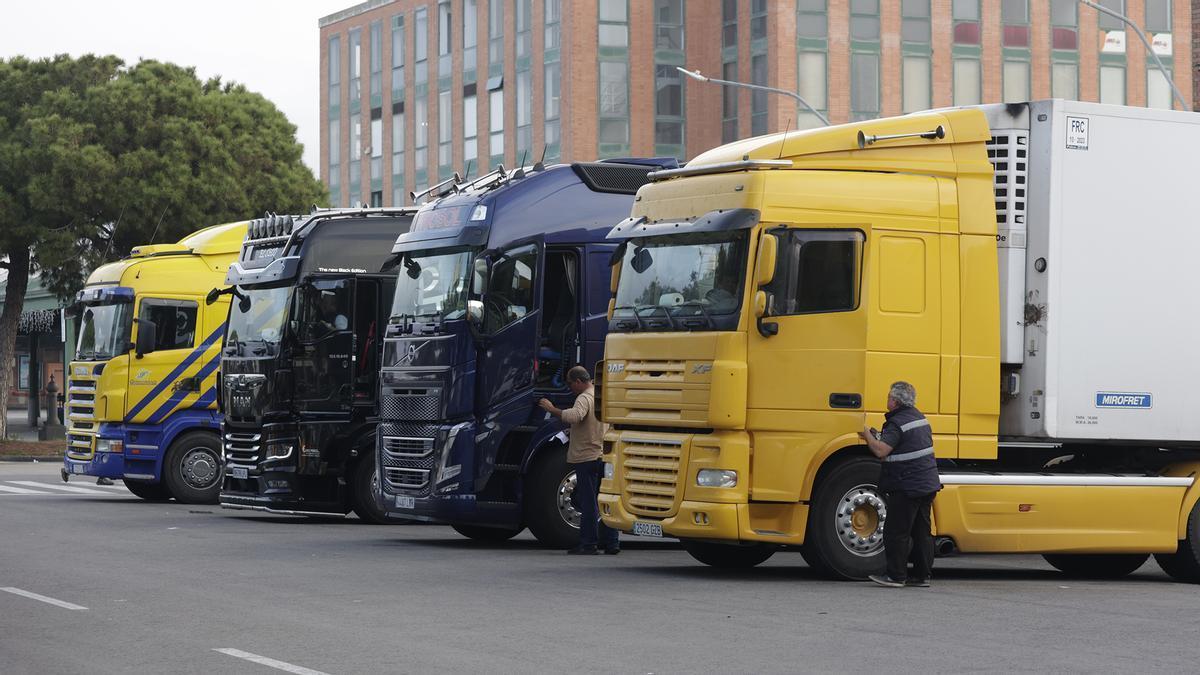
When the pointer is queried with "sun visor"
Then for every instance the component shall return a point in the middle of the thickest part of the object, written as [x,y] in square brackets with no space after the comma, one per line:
[251,272]
[725,220]
[441,237]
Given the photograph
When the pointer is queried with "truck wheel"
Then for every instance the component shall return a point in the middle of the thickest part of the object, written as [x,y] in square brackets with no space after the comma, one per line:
[551,516]
[728,556]
[151,492]
[1103,566]
[845,522]
[1184,564]
[363,484]
[493,535]
[192,469]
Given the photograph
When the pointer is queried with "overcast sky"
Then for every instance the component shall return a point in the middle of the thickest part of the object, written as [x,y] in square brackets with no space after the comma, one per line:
[271,46]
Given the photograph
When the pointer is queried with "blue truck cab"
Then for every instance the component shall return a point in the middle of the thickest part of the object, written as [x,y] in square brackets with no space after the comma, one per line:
[502,285]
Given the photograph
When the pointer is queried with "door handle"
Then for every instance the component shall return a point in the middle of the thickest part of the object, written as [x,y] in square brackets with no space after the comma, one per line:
[839,400]
[188,384]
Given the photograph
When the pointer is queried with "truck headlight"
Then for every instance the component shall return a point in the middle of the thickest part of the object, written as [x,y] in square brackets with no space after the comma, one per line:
[718,478]
[110,445]
[609,471]
[280,449]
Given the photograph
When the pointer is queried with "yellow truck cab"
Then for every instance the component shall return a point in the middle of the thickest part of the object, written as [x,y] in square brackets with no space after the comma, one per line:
[1027,267]
[141,396]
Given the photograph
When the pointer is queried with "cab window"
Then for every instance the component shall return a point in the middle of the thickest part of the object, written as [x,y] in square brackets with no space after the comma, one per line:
[323,308]
[174,322]
[510,289]
[816,271]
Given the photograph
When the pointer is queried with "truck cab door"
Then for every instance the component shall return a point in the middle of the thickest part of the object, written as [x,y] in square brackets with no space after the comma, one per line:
[167,335]
[511,317]
[323,330]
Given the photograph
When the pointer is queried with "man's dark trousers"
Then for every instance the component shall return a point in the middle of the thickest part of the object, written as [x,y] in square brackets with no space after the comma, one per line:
[908,530]
[592,532]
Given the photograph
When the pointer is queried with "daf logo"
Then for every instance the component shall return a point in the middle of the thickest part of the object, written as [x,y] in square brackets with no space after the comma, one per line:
[701,368]
[614,368]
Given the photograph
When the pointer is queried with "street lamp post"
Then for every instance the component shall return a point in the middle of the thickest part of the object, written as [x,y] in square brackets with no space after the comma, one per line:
[695,75]
[1149,47]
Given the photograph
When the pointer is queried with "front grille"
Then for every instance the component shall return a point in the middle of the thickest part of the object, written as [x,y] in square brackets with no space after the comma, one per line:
[650,469]
[242,449]
[81,418]
[407,457]
[416,404]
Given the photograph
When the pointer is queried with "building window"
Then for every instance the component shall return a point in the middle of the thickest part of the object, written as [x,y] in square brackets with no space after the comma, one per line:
[915,32]
[967,85]
[495,37]
[1158,16]
[1064,80]
[355,70]
[355,161]
[376,64]
[470,29]
[758,20]
[668,24]
[470,123]
[524,21]
[552,80]
[758,99]
[335,169]
[397,154]
[1110,22]
[496,124]
[1158,89]
[524,91]
[965,14]
[1014,14]
[376,149]
[614,107]
[398,43]
[445,33]
[445,132]
[614,23]
[864,59]
[668,111]
[1064,49]
[729,71]
[335,76]
[421,140]
[421,45]
[334,143]
[1112,84]
[551,19]
[1016,81]
[812,45]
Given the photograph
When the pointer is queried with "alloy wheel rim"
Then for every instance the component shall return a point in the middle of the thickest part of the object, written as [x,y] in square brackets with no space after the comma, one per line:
[567,510]
[200,468]
[859,520]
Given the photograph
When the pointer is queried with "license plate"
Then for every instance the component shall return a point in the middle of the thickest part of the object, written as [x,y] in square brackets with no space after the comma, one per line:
[647,529]
[405,502]
[239,472]
[78,468]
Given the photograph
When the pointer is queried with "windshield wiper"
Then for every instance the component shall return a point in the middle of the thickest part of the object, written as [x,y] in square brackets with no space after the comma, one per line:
[654,308]
[635,313]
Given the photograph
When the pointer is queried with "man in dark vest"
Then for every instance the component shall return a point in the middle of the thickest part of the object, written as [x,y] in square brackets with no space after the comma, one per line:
[909,481]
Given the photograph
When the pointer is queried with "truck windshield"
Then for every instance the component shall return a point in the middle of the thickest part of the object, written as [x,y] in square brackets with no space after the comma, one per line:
[433,284]
[104,331]
[691,275]
[262,321]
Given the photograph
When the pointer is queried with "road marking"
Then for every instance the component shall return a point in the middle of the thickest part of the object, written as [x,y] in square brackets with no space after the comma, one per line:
[262,660]
[63,488]
[42,598]
[21,491]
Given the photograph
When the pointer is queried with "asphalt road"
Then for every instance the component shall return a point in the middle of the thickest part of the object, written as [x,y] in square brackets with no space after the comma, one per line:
[171,588]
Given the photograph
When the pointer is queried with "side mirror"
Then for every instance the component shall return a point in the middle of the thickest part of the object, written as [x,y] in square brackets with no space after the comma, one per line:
[212,296]
[475,312]
[768,251]
[145,337]
[642,260]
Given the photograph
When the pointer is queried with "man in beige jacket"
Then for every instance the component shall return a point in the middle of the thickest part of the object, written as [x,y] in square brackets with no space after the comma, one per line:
[583,453]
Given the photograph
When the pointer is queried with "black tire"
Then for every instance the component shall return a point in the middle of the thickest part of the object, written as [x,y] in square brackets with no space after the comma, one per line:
[493,535]
[823,549]
[363,483]
[729,556]
[192,469]
[549,482]
[1099,566]
[1184,564]
[151,492]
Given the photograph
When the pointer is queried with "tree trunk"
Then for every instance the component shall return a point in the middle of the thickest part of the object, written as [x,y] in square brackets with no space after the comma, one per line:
[10,317]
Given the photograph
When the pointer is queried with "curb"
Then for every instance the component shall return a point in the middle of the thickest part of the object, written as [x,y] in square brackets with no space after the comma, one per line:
[31,458]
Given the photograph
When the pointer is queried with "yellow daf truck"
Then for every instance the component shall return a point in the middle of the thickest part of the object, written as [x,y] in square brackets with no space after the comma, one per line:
[141,396]
[1028,267]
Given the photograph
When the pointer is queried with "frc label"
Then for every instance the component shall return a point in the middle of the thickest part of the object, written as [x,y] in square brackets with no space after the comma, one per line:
[1121,399]
[1077,133]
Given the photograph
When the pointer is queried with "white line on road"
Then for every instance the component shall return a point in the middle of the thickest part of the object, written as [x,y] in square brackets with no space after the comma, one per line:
[42,598]
[278,665]
[21,491]
[63,488]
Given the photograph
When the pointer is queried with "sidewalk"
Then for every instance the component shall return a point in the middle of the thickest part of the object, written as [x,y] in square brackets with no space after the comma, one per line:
[18,426]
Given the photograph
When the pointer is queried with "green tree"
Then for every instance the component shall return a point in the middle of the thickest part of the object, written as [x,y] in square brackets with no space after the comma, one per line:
[96,158]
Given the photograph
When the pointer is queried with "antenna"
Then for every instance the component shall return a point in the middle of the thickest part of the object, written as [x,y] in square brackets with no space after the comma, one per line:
[539,166]
[520,172]
[784,139]
[113,233]
[160,217]
[467,171]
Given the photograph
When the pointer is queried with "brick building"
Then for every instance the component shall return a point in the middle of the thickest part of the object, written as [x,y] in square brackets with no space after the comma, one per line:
[413,90]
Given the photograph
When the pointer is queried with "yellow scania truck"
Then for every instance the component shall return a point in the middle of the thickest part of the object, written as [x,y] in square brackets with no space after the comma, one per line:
[1028,267]
[141,394]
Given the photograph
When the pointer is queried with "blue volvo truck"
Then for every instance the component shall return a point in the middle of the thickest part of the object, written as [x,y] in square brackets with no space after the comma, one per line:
[502,285]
